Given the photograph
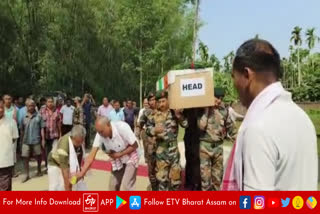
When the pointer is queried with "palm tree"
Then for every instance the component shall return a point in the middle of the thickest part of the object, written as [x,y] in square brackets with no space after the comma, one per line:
[311,41]
[292,66]
[284,66]
[311,38]
[296,38]
[195,25]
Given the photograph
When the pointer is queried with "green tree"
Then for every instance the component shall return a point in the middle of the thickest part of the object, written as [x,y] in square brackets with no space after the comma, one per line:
[101,47]
[203,52]
[311,41]
[296,39]
[311,38]
[228,60]
[215,63]
[156,35]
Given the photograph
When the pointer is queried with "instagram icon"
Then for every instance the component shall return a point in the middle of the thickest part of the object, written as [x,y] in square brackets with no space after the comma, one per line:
[259,202]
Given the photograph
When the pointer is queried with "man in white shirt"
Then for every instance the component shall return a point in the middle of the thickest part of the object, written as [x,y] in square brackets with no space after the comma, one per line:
[138,129]
[105,109]
[8,135]
[67,117]
[121,145]
[276,148]
[145,106]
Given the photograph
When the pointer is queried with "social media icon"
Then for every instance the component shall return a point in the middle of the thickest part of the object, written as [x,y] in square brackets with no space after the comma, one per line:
[259,202]
[311,202]
[285,203]
[120,202]
[135,203]
[297,202]
[245,202]
[273,202]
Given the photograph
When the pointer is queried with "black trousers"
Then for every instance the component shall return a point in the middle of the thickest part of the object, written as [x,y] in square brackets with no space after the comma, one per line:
[47,149]
[192,153]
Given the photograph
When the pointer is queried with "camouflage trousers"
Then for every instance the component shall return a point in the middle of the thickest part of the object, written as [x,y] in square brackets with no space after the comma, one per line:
[211,166]
[149,146]
[168,170]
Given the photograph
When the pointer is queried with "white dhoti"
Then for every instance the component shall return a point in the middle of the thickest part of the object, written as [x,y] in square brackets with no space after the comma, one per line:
[56,182]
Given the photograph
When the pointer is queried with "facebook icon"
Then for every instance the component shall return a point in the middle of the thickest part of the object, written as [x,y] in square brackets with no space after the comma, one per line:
[135,202]
[245,202]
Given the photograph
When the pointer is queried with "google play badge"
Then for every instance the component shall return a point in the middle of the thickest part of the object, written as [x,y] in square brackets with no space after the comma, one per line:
[120,202]
[311,202]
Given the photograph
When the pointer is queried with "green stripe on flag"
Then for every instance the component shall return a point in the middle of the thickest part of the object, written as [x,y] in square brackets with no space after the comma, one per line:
[160,84]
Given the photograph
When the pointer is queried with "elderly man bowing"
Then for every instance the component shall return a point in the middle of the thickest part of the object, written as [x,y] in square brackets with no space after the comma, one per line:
[65,161]
[121,145]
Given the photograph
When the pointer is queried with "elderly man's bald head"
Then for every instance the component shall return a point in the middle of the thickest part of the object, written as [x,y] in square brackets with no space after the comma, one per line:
[103,127]
[103,121]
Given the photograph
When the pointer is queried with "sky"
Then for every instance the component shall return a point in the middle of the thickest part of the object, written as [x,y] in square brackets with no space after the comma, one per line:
[228,23]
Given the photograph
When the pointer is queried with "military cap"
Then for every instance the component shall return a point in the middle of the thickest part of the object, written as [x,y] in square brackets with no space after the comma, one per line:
[161,94]
[219,92]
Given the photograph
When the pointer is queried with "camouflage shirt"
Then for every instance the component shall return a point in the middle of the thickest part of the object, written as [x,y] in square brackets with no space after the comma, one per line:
[147,115]
[216,125]
[78,116]
[168,121]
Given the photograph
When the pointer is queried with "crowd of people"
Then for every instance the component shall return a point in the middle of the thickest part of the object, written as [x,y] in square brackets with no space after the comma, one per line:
[40,125]
[46,127]
[264,155]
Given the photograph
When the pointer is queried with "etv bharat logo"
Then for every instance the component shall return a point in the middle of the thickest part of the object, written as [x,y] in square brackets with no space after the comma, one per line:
[90,202]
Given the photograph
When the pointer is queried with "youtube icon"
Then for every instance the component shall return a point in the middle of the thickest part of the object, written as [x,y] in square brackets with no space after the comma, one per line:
[273,202]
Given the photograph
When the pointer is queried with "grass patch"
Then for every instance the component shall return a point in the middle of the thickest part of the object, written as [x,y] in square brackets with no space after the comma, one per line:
[314,115]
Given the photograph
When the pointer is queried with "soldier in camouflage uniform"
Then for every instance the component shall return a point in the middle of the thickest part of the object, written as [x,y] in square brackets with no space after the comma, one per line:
[164,127]
[149,143]
[215,125]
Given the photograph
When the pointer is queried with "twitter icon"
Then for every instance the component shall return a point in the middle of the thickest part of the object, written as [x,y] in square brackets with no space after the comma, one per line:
[286,202]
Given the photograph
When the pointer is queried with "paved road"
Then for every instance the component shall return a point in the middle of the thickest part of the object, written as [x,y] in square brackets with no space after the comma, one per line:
[99,176]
